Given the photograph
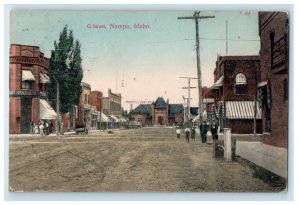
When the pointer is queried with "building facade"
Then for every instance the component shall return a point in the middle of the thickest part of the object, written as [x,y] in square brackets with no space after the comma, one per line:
[273,87]
[84,107]
[112,104]
[234,91]
[28,82]
[159,112]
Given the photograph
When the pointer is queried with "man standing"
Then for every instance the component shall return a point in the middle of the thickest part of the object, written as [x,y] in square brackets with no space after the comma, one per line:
[187,134]
[214,130]
[203,131]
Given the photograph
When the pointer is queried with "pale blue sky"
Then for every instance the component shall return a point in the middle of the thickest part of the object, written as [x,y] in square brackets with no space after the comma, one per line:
[148,61]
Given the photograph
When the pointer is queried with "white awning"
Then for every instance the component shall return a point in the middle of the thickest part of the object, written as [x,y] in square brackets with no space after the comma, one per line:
[27,75]
[123,119]
[263,83]
[241,110]
[44,78]
[104,118]
[46,111]
[114,118]
[219,82]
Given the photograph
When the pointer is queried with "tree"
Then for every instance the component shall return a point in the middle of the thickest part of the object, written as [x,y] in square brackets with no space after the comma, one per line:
[65,68]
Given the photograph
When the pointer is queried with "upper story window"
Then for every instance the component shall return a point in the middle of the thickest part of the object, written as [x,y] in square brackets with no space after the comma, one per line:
[85,99]
[240,87]
[27,85]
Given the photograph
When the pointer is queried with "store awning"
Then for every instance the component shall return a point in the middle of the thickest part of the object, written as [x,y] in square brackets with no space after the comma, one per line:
[27,75]
[218,83]
[44,78]
[46,111]
[241,110]
[263,83]
[123,119]
[104,118]
[114,118]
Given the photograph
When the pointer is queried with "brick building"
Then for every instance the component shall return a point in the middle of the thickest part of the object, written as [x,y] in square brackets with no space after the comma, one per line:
[273,87]
[234,91]
[28,82]
[96,102]
[159,112]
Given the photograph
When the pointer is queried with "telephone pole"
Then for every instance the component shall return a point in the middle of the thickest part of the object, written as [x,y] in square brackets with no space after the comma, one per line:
[197,17]
[189,96]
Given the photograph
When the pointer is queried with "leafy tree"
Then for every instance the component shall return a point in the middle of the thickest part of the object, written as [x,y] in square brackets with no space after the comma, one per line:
[65,68]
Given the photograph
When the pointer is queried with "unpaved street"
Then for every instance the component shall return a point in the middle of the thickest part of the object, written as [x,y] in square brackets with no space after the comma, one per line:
[143,160]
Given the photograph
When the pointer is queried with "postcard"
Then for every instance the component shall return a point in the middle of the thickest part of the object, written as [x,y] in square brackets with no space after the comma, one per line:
[148,101]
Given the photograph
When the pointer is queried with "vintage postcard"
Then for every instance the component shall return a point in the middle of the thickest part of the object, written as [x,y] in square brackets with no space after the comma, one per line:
[148,101]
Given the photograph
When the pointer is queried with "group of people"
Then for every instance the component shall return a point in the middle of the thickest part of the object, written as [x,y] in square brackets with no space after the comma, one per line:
[42,127]
[190,131]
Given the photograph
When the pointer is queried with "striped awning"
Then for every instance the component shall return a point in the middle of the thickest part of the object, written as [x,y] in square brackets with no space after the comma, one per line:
[241,110]
[27,75]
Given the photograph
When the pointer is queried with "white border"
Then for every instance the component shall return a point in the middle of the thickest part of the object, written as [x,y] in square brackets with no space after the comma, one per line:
[159,196]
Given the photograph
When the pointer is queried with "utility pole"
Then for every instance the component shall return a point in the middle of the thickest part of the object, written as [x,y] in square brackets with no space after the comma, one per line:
[197,17]
[189,96]
[57,110]
[226,39]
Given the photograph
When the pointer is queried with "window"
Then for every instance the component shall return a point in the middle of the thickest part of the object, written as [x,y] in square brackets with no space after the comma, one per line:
[27,84]
[85,99]
[240,86]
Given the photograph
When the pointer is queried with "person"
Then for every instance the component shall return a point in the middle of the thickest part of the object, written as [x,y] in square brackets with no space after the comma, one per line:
[187,134]
[31,127]
[214,130]
[178,132]
[193,133]
[46,128]
[41,128]
[203,131]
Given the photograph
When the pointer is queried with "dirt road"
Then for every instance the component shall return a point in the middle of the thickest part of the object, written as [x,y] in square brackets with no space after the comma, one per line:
[144,160]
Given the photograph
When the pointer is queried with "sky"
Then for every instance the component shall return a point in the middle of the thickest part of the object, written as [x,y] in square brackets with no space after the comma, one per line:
[141,64]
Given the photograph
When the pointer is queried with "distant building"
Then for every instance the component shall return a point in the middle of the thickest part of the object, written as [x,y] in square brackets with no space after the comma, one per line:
[112,104]
[234,90]
[28,83]
[159,112]
[273,87]
[84,107]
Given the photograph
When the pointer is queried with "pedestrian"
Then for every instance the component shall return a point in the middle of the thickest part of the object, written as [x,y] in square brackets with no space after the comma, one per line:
[203,131]
[187,134]
[193,134]
[46,128]
[41,128]
[214,130]
[178,132]
[31,127]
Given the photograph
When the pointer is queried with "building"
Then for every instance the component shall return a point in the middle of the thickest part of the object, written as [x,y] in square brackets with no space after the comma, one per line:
[159,112]
[273,87]
[112,104]
[84,107]
[234,93]
[28,82]
[96,101]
